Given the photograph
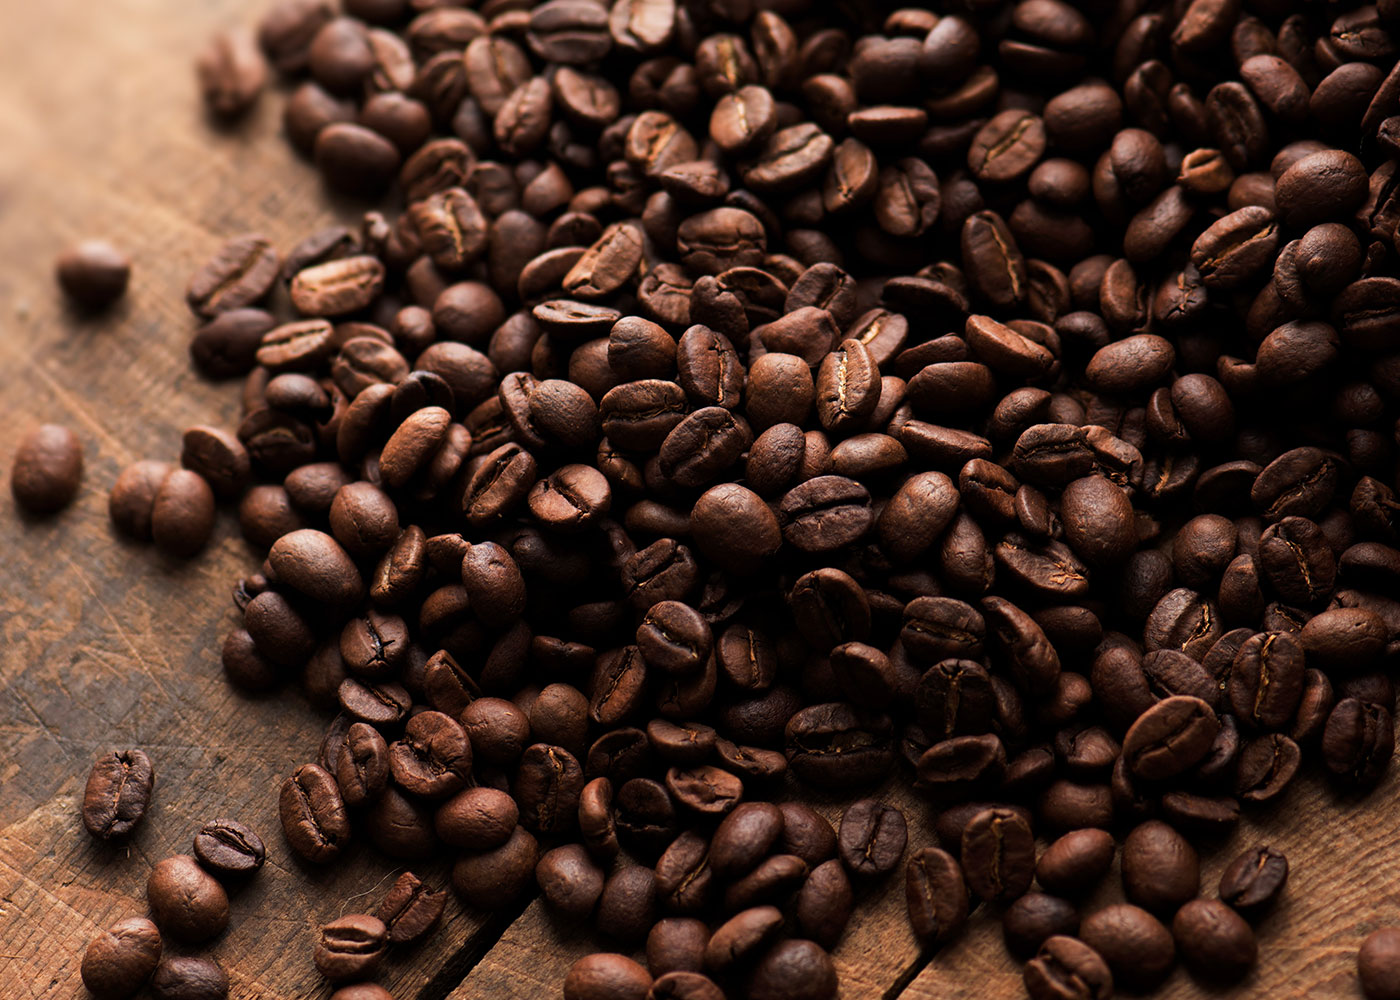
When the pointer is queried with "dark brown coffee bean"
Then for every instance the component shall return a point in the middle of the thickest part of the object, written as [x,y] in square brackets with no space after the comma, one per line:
[313,814]
[1075,862]
[351,947]
[1213,940]
[872,838]
[240,274]
[1134,944]
[1066,968]
[1160,868]
[93,273]
[117,794]
[228,847]
[118,961]
[998,855]
[410,910]
[1254,880]
[1170,737]
[606,976]
[793,970]
[185,900]
[936,895]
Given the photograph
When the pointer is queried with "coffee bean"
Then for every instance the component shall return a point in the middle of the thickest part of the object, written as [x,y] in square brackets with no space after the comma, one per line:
[351,947]
[1035,918]
[794,969]
[606,976]
[1065,968]
[47,470]
[494,879]
[118,961]
[1134,944]
[1213,940]
[117,794]
[93,273]
[313,814]
[186,900]
[1171,736]
[228,847]
[1160,869]
[998,855]
[1075,862]
[239,275]
[410,910]
[1254,880]
[936,895]
[872,838]
[189,978]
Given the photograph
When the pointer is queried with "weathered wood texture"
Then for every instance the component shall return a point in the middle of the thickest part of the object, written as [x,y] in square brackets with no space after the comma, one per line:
[103,644]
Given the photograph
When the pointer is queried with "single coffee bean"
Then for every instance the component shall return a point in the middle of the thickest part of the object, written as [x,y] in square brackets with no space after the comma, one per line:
[793,970]
[606,976]
[1076,862]
[1213,940]
[410,910]
[93,273]
[47,469]
[1378,964]
[239,275]
[1066,968]
[228,847]
[1170,737]
[186,900]
[998,854]
[569,879]
[313,814]
[1254,880]
[1134,944]
[189,978]
[118,961]
[1160,868]
[351,947]
[872,838]
[117,794]
[1035,918]
[936,895]
[742,938]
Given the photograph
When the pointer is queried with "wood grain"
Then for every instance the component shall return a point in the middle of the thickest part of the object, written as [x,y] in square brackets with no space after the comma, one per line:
[104,644]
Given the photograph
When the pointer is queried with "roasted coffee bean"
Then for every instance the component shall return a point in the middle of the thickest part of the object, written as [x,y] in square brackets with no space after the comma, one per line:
[1033,919]
[313,814]
[1254,880]
[998,855]
[1066,968]
[410,910]
[1075,862]
[1266,679]
[742,938]
[793,969]
[189,978]
[93,273]
[936,895]
[1377,963]
[1358,741]
[239,275]
[351,947]
[118,961]
[1213,940]
[1170,737]
[872,838]
[1160,869]
[117,794]
[606,976]
[185,900]
[1134,944]
[228,847]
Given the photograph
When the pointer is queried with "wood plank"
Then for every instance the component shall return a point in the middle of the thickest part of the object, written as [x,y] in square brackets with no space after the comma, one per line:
[105,644]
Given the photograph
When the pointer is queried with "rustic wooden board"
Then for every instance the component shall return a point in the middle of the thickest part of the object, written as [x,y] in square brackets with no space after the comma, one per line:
[104,644]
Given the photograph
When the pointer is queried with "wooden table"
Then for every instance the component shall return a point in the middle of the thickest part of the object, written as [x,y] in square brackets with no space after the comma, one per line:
[104,644]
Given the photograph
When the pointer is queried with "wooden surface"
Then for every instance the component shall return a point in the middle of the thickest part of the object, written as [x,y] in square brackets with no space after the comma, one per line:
[103,644]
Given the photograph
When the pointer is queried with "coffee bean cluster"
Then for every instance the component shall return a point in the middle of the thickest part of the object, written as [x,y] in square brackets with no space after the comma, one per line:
[188,895]
[745,398]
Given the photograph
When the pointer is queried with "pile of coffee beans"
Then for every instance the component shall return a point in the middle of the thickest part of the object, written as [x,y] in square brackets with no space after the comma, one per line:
[736,398]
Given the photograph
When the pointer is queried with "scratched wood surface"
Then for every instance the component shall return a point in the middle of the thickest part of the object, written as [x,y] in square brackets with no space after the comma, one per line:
[103,644]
